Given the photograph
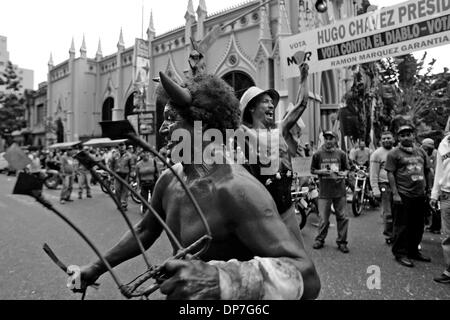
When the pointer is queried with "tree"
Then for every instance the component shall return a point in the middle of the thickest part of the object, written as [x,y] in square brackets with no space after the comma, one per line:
[12,102]
[393,91]
[423,98]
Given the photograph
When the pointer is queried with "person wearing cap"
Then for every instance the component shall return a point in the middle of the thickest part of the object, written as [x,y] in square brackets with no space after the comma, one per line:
[380,183]
[254,254]
[258,122]
[331,165]
[441,194]
[360,155]
[83,181]
[124,165]
[409,178]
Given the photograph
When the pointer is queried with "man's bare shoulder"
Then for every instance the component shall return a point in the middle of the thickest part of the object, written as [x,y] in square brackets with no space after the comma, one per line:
[167,176]
[245,193]
[236,176]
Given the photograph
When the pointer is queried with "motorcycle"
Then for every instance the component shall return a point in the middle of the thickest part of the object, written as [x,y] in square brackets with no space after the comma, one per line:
[108,181]
[362,194]
[52,177]
[305,199]
[134,184]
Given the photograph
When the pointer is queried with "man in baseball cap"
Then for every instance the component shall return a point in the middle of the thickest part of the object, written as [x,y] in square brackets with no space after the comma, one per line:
[405,128]
[408,174]
[329,134]
[331,165]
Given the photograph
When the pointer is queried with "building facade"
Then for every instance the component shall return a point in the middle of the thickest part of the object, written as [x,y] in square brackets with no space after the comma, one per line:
[83,91]
[35,115]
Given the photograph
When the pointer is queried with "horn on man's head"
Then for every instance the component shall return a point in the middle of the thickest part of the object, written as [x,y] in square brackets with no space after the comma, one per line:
[180,96]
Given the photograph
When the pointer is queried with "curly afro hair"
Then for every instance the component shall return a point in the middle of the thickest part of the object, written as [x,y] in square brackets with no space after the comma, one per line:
[213,102]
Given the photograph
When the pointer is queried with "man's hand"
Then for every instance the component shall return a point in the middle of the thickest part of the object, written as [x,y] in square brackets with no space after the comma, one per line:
[397,199]
[81,277]
[434,203]
[191,280]
[377,194]
[323,172]
[304,70]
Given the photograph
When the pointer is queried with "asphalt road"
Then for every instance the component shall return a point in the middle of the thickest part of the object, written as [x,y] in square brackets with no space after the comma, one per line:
[26,272]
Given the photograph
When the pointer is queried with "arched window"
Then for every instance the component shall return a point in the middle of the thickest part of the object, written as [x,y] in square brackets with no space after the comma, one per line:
[108,106]
[129,106]
[59,131]
[240,81]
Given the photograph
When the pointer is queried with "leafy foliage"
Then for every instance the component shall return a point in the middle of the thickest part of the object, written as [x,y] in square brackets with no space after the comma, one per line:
[12,102]
[422,97]
[399,90]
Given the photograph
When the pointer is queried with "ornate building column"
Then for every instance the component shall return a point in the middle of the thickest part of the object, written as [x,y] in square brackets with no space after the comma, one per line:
[118,111]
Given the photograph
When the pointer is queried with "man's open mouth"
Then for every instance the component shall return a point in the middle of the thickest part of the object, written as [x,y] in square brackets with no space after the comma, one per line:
[269,114]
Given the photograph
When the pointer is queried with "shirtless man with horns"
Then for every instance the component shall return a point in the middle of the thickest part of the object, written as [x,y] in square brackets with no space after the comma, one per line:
[254,253]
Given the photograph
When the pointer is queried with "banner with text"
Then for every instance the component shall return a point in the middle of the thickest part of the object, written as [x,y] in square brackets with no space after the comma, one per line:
[388,32]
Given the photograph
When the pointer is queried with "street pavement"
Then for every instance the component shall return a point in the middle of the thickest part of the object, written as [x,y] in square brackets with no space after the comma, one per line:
[26,272]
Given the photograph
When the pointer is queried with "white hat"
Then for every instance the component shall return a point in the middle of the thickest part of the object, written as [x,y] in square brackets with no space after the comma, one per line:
[252,93]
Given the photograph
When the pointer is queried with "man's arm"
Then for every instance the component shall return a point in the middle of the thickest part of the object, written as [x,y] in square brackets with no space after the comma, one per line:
[147,230]
[374,174]
[345,167]
[391,167]
[428,171]
[292,117]
[439,173]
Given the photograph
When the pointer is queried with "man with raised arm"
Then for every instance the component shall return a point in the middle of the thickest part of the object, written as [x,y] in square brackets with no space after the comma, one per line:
[258,122]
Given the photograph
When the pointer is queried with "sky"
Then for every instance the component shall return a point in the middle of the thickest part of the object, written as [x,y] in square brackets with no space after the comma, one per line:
[36,28]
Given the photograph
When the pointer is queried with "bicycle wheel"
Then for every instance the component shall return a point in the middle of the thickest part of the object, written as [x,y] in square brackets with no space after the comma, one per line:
[357,204]
[133,196]
[103,188]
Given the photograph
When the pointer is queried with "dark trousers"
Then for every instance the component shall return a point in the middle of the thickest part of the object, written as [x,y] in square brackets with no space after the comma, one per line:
[436,224]
[386,204]
[147,188]
[67,186]
[121,190]
[341,219]
[83,183]
[408,225]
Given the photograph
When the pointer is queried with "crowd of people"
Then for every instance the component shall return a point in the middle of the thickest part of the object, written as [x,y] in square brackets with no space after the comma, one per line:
[125,160]
[408,178]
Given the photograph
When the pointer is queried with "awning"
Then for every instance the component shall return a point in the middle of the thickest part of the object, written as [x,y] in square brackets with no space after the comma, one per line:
[103,142]
[64,145]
